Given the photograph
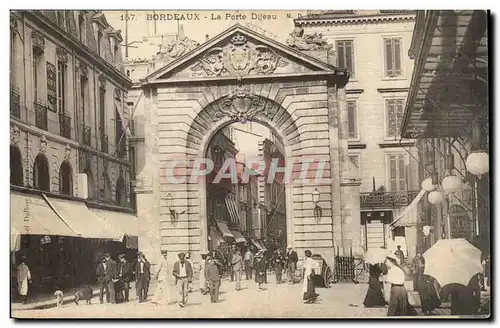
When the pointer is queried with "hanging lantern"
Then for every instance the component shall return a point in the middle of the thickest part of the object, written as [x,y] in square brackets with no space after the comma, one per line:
[435,197]
[426,230]
[451,184]
[477,163]
[427,185]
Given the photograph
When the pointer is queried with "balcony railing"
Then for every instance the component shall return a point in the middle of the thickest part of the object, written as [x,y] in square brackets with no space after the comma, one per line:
[104,143]
[41,115]
[15,102]
[388,199]
[87,131]
[65,125]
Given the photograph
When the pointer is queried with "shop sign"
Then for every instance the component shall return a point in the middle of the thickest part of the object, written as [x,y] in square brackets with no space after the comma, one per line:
[385,199]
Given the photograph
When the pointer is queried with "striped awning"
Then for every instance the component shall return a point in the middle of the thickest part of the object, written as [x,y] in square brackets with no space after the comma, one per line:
[238,236]
[403,220]
[256,244]
[233,209]
[224,229]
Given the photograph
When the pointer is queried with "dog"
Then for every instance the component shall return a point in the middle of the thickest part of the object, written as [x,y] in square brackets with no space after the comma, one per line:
[59,297]
[84,294]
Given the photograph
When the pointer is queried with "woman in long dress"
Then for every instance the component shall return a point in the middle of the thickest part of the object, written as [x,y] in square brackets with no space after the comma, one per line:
[260,269]
[23,278]
[398,303]
[374,296]
[308,288]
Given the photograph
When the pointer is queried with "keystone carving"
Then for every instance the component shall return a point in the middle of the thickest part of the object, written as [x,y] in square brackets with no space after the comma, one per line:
[67,152]
[38,41]
[14,135]
[43,144]
[298,39]
[242,105]
[62,54]
[238,58]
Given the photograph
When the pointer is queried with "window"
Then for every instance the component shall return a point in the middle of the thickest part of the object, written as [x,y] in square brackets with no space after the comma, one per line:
[16,166]
[83,96]
[99,40]
[392,54]
[90,184]
[41,177]
[102,111]
[115,54]
[65,179]
[352,120]
[12,58]
[61,86]
[397,172]
[345,55]
[36,58]
[395,110]
[354,166]
[81,27]
[121,192]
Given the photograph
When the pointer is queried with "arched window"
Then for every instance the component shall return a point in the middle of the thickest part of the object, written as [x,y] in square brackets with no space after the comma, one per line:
[65,179]
[90,184]
[41,176]
[16,166]
[106,192]
[121,192]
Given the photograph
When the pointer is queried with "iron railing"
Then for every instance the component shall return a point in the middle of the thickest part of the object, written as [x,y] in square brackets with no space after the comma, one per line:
[87,132]
[41,115]
[65,125]
[15,102]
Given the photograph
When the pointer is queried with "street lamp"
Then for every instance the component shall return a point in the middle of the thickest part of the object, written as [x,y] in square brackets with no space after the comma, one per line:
[435,197]
[477,163]
[451,184]
[315,199]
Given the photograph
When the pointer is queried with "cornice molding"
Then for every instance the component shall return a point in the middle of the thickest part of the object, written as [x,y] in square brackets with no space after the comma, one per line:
[392,90]
[388,18]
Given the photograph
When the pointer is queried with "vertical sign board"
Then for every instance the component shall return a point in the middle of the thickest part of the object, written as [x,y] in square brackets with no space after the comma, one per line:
[51,87]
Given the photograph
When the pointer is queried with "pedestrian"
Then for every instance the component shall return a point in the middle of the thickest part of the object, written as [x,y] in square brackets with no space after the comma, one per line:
[429,296]
[291,259]
[188,259]
[398,303]
[418,271]
[229,262]
[212,276]
[279,264]
[237,268]
[309,294]
[260,269]
[183,274]
[465,300]
[125,276]
[23,280]
[400,255]
[203,281]
[375,296]
[107,276]
[142,276]
[248,258]
[161,296]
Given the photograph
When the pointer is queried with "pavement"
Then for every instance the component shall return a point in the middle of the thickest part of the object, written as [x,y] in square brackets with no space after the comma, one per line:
[341,300]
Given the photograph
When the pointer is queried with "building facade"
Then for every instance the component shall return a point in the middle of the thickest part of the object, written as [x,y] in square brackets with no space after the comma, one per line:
[68,146]
[380,161]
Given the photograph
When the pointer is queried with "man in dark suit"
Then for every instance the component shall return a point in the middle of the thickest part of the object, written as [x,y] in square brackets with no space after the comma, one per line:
[291,259]
[212,277]
[125,276]
[142,276]
[106,276]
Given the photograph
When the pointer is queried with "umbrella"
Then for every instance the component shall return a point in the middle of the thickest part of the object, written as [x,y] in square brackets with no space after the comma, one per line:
[452,261]
[376,255]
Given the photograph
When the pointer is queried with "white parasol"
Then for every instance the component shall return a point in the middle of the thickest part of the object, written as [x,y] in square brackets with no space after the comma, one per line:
[376,255]
[452,261]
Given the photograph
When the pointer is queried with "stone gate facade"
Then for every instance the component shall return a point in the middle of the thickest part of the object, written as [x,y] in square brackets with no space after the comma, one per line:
[238,76]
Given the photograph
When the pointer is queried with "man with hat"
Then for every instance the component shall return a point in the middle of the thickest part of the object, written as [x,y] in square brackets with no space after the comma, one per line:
[106,274]
[125,276]
[212,276]
[142,277]
[183,274]
[291,259]
[162,291]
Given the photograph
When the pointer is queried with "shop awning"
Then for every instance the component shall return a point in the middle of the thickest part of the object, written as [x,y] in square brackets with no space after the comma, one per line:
[15,240]
[80,218]
[122,224]
[255,243]
[216,236]
[224,229]
[32,215]
[238,236]
[403,220]
[233,209]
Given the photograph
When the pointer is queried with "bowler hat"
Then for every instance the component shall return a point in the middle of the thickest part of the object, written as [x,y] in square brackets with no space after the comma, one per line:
[121,256]
[181,254]
[107,254]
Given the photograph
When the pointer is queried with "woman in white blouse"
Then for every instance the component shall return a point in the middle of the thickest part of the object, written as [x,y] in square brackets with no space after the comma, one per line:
[398,303]
[309,294]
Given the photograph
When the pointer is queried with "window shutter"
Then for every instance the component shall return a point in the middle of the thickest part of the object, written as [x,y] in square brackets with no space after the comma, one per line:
[340,54]
[389,69]
[349,55]
[401,173]
[393,174]
[351,119]
[397,56]
[391,117]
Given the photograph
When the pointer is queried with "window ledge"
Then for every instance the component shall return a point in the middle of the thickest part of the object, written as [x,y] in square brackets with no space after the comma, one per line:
[396,143]
[396,78]
[356,145]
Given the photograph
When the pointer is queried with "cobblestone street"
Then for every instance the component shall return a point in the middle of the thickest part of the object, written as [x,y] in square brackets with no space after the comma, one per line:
[278,301]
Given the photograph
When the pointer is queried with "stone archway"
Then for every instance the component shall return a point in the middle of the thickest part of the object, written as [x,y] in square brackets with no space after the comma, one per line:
[300,98]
